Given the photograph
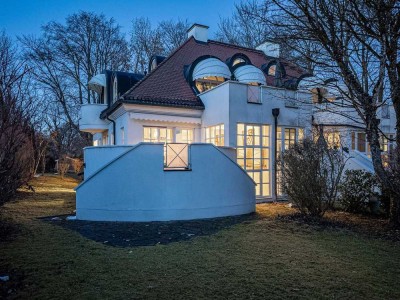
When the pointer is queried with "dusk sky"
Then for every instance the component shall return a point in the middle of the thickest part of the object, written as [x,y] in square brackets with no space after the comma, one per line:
[20,17]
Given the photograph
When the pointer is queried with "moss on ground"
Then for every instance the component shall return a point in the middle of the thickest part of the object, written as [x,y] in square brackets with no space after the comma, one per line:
[263,258]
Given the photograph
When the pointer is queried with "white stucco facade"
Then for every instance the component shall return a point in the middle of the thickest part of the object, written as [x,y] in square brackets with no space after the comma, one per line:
[146,192]
[227,118]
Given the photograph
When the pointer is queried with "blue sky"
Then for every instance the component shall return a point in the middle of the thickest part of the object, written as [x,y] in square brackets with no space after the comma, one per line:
[20,17]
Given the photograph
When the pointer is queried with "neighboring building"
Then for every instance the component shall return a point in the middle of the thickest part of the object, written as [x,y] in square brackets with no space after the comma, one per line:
[205,92]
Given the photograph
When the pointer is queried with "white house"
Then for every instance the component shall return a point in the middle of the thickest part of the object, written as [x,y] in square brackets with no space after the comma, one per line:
[197,136]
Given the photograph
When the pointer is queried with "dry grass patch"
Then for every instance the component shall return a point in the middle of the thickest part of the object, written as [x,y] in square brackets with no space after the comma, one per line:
[257,259]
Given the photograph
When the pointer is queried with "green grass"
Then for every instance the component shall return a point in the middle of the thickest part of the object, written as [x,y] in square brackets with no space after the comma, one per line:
[260,259]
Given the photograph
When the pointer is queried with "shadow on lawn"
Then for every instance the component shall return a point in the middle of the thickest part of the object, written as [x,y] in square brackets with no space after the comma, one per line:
[134,234]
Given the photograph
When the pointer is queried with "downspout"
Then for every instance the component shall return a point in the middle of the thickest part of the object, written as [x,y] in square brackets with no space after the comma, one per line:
[275,113]
[114,125]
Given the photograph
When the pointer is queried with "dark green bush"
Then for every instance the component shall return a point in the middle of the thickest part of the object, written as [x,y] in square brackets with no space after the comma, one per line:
[357,190]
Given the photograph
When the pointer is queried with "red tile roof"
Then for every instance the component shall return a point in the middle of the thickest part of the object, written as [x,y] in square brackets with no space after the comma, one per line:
[167,85]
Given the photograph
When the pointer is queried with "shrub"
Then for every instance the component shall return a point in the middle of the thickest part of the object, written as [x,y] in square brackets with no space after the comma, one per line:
[311,173]
[77,165]
[357,190]
[63,167]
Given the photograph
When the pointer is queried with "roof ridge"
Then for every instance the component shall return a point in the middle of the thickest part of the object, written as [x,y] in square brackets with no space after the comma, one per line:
[236,46]
[155,70]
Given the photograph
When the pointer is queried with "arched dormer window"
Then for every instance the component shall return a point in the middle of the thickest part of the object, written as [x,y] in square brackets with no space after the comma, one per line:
[115,89]
[238,59]
[272,70]
[209,73]
[155,60]
[249,74]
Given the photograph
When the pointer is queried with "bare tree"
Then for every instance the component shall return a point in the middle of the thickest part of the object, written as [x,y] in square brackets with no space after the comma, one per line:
[242,29]
[173,34]
[65,57]
[358,43]
[311,173]
[15,122]
[162,40]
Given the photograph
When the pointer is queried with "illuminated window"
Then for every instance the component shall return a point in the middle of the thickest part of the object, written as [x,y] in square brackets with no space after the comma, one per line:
[105,138]
[319,95]
[253,154]
[238,60]
[387,143]
[215,135]
[207,83]
[272,70]
[332,139]
[184,136]
[285,138]
[157,134]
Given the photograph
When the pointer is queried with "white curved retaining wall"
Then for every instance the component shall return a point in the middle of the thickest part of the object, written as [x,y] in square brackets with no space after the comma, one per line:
[98,156]
[135,187]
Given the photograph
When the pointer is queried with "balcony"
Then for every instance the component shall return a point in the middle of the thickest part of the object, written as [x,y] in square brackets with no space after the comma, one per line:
[90,118]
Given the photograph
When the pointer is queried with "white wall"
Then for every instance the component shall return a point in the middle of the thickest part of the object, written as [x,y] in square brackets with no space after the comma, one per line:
[135,187]
[216,102]
[90,118]
[97,157]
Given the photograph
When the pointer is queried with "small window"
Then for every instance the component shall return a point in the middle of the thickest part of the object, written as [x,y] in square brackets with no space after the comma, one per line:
[361,142]
[238,60]
[333,139]
[153,64]
[215,135]
[207,83]
[272,70]
[184,136]
[115,90]
[122,136]
[157,134]
[319,95]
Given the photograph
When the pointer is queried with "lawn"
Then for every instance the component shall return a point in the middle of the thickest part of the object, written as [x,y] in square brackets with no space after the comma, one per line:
[260,258]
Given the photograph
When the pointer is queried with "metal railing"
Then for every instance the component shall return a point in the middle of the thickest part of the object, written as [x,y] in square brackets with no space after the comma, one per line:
[176,156]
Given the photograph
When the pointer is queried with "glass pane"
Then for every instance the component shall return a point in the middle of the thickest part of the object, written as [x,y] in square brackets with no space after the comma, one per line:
[241,162]
[257,176]
[279,133]
[240,129]
[249,152]
[257,153]
[361,142]
[256,141]
[249,140]
[240,140]
[265,141]
[265,190]
[265,163]
[250,130]
[257,164]
[265,130]
[249,163]
[256,130]
[258,190]
[146,134]
[265,176]
[240,153]
[265,153]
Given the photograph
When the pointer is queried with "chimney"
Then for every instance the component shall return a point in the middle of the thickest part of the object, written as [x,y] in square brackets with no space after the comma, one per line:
[199,32]
[270,49]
